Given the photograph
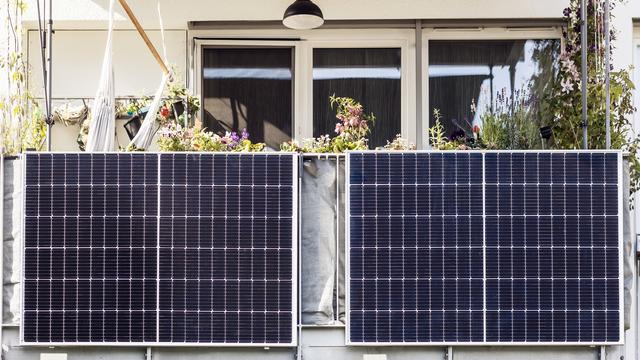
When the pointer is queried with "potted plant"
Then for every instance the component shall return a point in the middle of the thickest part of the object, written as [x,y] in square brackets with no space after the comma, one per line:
[175,137]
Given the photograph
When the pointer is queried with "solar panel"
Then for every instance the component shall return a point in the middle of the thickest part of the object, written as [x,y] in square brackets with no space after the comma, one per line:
[227,249]
[484,247]
[139,248]
[90,248]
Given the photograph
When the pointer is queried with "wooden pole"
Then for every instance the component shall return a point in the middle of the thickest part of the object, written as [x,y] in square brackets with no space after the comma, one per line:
[144,36]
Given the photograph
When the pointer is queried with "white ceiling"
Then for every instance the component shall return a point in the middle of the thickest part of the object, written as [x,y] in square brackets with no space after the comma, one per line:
[176,14]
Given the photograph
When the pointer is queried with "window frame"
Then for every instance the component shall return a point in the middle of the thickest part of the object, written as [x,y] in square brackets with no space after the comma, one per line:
[471,34]
[203,44]
[303,43]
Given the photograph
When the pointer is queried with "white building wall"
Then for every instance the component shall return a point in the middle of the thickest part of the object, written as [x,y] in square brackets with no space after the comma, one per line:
[77,62]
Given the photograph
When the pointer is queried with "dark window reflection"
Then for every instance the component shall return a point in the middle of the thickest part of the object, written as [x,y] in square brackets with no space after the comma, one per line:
[370,76]
[486,72]
[249,88]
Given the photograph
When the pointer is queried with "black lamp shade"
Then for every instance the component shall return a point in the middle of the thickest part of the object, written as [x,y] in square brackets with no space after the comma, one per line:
[303,15]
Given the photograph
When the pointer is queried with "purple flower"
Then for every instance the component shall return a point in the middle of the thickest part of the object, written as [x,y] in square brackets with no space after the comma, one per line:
[234,137]
[566,12]
[245,134]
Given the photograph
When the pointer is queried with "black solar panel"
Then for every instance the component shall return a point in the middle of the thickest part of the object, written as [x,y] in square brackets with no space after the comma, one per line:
[90,248]
[215,265]
[474,247]
[226,248]
[552,247]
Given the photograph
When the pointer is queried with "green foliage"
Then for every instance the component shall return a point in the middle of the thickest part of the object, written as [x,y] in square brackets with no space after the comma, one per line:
[176,92]
[324,145]
[352,128]
[565,101]
[399,144]
[22,124]
[175,137]
[439,140]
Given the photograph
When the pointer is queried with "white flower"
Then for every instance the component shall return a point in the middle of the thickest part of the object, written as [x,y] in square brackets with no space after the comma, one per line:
[567,86]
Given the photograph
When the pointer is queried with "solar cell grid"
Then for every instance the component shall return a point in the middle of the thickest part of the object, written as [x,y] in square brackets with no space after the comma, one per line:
[85,238]
[226,269]
[484,247]
[159,249]
[544,286]
[403,275]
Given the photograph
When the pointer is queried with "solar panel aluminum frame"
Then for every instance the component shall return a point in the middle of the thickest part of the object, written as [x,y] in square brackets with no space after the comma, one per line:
[348,342]
[294,270]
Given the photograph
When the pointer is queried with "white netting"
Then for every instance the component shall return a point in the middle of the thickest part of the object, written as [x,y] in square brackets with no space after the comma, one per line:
[144,137]
[102,130]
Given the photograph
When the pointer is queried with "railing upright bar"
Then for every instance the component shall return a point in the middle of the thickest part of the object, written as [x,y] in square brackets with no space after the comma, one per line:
[337,252]
[584,49]
[607,70]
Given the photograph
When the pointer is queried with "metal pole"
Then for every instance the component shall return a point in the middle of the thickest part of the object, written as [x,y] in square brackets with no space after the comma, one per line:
[419,117]
[337,244]
[43,56]
[49,74]
[2,149]
[607,70]
[584,44]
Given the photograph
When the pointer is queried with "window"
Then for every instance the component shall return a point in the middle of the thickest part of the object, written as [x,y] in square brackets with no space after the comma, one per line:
[371,76]
[249,88]
[488,73]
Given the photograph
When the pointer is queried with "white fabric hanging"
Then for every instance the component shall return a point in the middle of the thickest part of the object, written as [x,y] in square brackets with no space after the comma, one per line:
[144,137]
[102,130]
